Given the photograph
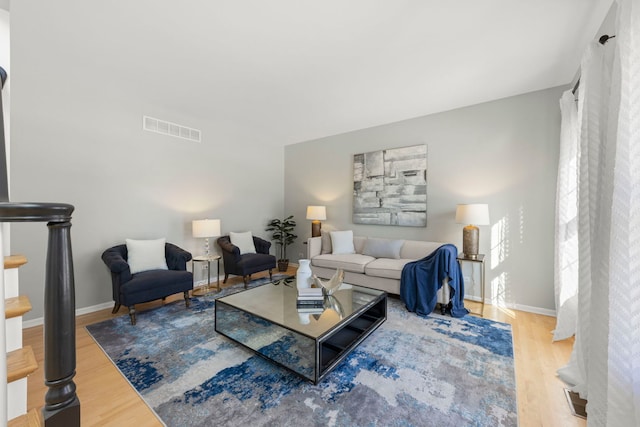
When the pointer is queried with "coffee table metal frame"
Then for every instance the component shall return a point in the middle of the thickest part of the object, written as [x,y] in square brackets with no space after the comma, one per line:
[265,320]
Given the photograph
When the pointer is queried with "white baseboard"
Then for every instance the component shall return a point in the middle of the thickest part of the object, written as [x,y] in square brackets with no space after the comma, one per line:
[535,310]
[519,307]
[26,324]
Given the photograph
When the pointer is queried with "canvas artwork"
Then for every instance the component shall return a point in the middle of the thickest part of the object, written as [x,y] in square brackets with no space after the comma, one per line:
[390,187]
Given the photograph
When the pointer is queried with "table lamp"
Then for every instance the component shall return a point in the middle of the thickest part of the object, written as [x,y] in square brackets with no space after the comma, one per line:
[316,214]
[205,228]
[473,215]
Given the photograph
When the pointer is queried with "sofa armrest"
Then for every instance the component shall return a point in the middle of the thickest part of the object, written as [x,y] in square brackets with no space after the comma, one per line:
[176,257]
[114,258]
[314,246]
[229,250]
[262,246]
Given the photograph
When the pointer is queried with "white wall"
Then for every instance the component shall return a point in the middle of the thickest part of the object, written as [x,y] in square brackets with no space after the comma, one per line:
[5,62]
[77,138]
[503,153]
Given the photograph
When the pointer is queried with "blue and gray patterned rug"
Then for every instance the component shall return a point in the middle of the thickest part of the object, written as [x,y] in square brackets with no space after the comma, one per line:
[412,371]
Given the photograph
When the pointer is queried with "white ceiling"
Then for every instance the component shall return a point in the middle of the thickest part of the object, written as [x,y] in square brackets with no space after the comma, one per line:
[287,71]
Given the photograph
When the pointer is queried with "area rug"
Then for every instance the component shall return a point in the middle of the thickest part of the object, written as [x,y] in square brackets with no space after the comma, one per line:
[412,371]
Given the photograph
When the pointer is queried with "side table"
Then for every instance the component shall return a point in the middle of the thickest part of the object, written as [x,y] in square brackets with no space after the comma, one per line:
[203,290]
[477,259]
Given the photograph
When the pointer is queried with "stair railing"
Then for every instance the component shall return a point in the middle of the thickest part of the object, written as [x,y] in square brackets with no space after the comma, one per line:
[62,406]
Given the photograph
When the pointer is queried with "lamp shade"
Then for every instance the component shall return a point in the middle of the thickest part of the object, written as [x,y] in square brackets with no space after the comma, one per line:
[206,227]
[318,213]
[476,214]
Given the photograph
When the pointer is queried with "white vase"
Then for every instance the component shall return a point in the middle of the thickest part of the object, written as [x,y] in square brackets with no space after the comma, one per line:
[303,275]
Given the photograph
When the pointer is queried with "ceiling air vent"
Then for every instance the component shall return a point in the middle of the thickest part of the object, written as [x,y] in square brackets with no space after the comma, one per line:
[172,129]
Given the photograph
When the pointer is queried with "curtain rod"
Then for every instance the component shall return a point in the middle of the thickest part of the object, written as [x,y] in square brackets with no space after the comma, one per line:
[602,40]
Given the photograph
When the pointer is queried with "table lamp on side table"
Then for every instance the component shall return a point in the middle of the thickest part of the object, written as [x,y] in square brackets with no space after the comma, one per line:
[205,228]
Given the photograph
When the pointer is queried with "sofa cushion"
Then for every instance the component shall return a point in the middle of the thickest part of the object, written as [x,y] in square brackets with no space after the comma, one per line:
[358,243]
[355,263]
[386,267]
[145,255]
[342,242]
[256,262]
[154,284]
[382,248]
[326,243]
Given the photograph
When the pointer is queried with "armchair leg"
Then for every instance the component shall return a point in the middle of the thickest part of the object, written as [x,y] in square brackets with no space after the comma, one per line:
[187,300]
[246,279]
[116,307]
[270,275]
[226,276]
[132,314]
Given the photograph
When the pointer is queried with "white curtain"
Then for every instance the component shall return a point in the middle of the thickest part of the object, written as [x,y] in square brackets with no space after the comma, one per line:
[605,363]
[566,238]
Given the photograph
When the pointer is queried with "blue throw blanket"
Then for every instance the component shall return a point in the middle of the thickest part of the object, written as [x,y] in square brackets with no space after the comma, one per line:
[421,280]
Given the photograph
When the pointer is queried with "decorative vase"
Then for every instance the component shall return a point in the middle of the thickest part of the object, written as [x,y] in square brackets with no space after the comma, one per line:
[303,275]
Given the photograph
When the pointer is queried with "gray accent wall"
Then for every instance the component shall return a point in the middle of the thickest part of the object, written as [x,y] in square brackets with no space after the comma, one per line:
[503,153]
[77,138]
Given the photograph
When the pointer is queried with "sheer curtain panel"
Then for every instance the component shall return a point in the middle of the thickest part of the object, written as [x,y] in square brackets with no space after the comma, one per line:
[566,238]
[605,364]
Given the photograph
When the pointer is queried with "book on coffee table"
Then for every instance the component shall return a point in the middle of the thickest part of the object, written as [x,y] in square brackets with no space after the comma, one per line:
[310,292]
[310,297]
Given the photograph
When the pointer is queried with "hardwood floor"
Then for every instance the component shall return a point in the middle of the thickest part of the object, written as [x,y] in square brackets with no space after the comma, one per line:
[107,398]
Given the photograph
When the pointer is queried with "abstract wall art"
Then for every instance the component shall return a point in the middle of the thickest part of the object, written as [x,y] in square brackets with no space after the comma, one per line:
[390,187]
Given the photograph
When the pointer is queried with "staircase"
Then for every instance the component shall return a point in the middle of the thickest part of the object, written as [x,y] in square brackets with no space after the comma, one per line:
[21,361]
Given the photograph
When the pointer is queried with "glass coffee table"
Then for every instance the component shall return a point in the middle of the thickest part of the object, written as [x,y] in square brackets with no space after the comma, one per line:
[308,341]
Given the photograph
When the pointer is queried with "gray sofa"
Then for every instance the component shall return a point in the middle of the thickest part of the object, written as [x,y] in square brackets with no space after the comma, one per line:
[364,268]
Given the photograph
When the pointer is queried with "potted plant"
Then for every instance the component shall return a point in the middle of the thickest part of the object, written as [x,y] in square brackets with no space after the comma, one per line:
[282,233]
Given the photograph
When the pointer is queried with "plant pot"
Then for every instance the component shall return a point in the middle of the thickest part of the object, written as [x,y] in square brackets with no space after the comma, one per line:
[283,265]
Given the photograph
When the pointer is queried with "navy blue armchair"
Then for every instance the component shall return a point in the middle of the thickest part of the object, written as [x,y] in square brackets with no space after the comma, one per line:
[131,289]
[246,264]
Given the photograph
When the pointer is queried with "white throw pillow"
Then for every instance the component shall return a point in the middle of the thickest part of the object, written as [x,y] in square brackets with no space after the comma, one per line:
[382,248]
[144,255]
[342,242]
[244,241]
